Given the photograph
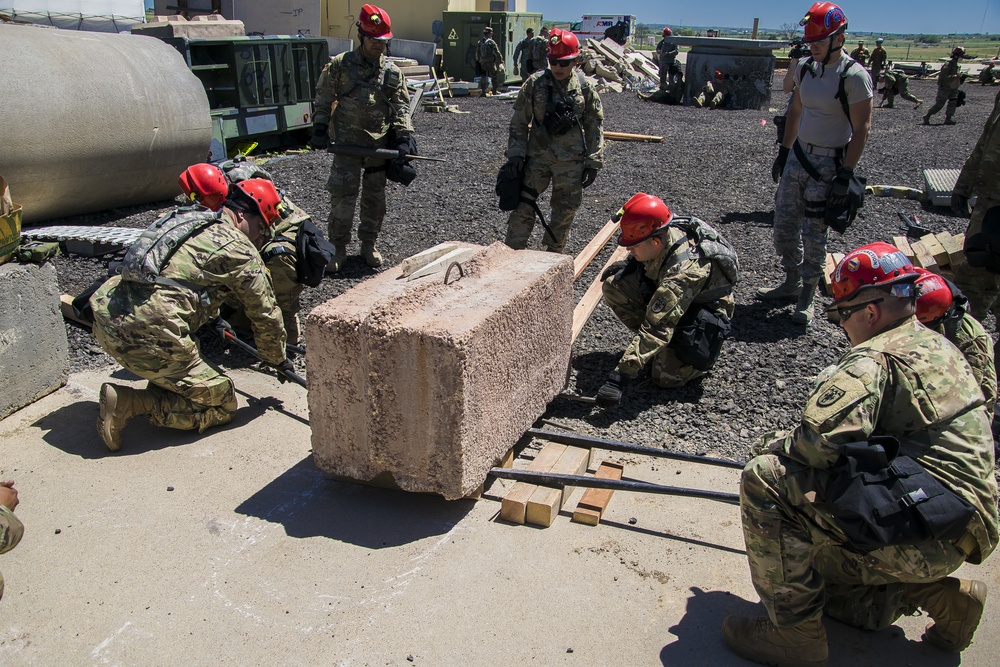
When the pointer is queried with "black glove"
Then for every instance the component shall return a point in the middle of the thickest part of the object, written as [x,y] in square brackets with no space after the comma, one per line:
[283,368]
[223,327]
[320,139]
[513,168]
[406,145]
[610,393]
[840,188]
[613,269]
[589,176]
[797,51]
[960,205]
[779,164]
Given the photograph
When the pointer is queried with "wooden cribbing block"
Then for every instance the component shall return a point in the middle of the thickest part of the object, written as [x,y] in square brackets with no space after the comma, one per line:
[922,257]
[514,504]
[594,501]
[936,250]
[545,503]
[903,244]
[832,260]
[953,244]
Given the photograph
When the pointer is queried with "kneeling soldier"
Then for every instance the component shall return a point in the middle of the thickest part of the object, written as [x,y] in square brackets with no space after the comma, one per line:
[675,292]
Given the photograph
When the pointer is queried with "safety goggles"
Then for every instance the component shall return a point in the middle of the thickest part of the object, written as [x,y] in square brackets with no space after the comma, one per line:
[840,315]
[555,62]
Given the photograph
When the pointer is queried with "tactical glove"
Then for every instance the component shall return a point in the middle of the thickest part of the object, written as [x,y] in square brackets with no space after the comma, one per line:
[284,368]
[223,327]
[589,176]
[797,51]
[841,186]
[320,139]
[610,393]
[406,145]
[778,167]
[513,168]
[960,205]
[613,269]
[622,268]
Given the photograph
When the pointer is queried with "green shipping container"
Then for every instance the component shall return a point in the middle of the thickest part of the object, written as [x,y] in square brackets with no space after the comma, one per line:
[463,30]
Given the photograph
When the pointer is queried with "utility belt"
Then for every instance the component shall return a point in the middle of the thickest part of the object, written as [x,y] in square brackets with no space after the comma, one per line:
[821,151]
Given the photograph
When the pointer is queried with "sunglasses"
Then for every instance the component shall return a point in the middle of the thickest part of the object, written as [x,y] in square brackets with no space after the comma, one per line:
[561,63]
[840,315]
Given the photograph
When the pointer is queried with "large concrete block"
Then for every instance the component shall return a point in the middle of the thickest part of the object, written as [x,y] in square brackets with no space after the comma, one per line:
[34,353]
[427,385]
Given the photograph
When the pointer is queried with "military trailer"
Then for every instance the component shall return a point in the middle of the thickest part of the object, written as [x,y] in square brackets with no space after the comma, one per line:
[463,30]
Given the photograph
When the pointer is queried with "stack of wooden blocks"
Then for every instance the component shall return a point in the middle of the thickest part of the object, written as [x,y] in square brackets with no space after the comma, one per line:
[539,505]
[939,253]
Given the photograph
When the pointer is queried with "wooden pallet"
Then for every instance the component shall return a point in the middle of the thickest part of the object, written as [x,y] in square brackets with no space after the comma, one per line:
[939,253]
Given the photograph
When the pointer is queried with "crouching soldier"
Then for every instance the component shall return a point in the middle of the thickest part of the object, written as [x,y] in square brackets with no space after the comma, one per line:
[173,281]
[675,292]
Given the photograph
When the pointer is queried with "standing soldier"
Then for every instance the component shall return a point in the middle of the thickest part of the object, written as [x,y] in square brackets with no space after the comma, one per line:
[674,292]
[828,134]
[666,55]
[860,54]
[522,55]
[897,83]
[949,81]
[364,97]
[540,50]
[877,61]
[173,281]
[491,60]
[556,136]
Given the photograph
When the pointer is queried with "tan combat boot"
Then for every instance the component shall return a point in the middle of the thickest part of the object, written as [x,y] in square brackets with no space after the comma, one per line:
[804,307]
[370,254]
[955,607]
[760,640]
[786,291]
[337,263]
[118,405]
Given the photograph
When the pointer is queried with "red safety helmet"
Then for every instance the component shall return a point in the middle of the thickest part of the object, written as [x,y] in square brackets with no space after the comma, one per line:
[206,184]
[642,216]
[667,32]
[264,196]
[824,19]
[873,265]
[933,298]
[563,44]
[374,22]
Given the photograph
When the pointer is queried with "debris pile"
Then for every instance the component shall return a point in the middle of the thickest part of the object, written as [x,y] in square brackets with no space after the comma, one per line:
[613,67]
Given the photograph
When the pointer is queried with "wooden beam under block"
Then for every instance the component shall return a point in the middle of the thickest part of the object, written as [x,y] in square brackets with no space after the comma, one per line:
[585,308]
[545,503]
[514,504]
[591,250]
[591,507]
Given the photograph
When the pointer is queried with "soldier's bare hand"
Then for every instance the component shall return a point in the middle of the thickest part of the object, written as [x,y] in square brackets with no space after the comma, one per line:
[8,495]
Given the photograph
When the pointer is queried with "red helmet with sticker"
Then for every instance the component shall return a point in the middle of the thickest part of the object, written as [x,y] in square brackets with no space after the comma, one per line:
[642,216]
[374,22]
[667,32]
[824,19]
[563,44]
[206,184]
[933,296]
[873,265]
[264,196]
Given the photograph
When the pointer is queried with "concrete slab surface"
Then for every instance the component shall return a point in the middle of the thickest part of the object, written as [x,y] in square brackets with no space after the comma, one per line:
[254,558]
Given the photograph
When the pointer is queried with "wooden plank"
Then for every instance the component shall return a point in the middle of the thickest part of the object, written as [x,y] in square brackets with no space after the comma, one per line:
[832,260]
[585,308]
[936,250]
[66,308]
[587,255]
[591,507]
[922,257]
[514,504]
[545,503]
[903,244]
[953,245]
[625,136]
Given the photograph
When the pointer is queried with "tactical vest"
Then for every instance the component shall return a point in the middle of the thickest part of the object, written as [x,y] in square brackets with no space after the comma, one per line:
[711,245]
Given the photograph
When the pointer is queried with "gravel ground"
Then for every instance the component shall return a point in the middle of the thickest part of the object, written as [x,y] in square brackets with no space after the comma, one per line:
[712,164]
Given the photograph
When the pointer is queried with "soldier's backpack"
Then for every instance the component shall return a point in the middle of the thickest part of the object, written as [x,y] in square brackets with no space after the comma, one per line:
[312,253]
[713,246]
[150,253]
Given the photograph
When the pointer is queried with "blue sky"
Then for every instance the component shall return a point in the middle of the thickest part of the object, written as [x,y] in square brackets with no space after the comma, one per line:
[891,16]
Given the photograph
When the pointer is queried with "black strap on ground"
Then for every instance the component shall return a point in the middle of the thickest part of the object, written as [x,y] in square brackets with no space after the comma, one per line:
[559,480]
[294,377]
[578,440]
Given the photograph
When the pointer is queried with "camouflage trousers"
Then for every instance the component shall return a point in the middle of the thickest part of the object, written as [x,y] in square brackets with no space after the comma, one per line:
[799,564]
[709,97]
[287,290]
[188,393]
[567,195]
[800,230]
[904,92]
[491,74]
[949,97]
[345,182]
[980,286]
[628,298]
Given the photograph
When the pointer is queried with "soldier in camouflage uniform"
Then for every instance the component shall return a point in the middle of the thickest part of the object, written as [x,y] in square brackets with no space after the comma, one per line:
[903,380]
[828,140]
[941,306]
[148,327]
[715,94]
[860,54]
[556,136]
[666,58]
[949,81]
[979,276]
[876,63]
[522,55]
[11,528]
[897,83]
[667,284]
[491,60]
[202,183]
[540,51]
[364,97]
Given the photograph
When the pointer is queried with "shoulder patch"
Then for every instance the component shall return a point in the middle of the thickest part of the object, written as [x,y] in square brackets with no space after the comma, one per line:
[830,396]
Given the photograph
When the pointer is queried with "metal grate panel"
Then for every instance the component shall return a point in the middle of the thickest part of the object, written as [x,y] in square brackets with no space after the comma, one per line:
[938,185]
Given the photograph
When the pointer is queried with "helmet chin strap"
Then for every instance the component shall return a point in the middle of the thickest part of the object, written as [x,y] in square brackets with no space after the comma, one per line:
[831,50]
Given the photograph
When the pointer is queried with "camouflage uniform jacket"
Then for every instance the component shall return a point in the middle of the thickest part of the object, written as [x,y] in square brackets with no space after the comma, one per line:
[666,51]
[878,59]
[860,54]
[371,98]
[488,53]
[682,276]
[223,263]
[976,346]
[911,383]
[539,52]
[522,52]
[950,76]
[982,169]
[11,531]
[528,136]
